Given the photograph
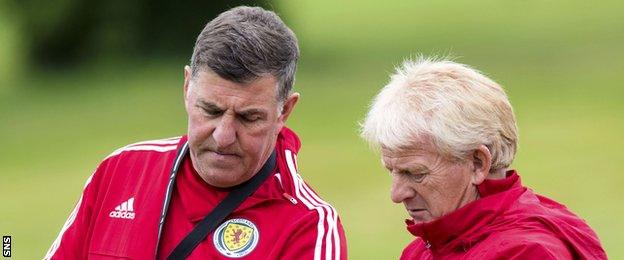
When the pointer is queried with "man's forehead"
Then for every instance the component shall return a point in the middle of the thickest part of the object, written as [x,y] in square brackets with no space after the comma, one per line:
[414,148]
[402,154]
[213,88]
[208,76]
[406,155]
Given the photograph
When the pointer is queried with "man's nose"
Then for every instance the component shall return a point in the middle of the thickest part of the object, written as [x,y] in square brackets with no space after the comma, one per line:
[400,191]
[224,134]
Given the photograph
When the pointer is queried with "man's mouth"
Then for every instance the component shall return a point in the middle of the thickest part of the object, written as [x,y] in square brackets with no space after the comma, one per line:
[219,152]
[222,155]
[417,213]
[225,153]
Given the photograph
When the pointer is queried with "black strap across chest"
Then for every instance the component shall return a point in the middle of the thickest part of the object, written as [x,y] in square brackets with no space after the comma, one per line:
[235,198]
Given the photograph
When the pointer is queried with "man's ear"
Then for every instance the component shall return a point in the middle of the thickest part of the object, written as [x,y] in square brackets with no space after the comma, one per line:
[187,82]
[287,107]
[481,162]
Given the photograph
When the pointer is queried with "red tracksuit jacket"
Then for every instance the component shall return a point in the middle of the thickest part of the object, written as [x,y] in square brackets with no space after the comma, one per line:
[118,213]
[509,221]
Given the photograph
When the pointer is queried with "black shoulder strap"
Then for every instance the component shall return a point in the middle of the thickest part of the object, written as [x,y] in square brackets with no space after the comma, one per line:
[221,211]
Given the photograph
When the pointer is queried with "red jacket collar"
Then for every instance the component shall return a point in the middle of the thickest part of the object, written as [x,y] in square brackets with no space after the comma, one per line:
[453,229]
[199,198]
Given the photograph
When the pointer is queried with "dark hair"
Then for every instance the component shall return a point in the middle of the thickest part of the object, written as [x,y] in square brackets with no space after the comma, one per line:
[243,43]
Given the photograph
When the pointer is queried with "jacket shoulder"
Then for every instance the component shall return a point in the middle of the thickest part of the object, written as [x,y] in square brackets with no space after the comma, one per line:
[298,190]
[147,147]
[150,155]
[416,249]
[524,244]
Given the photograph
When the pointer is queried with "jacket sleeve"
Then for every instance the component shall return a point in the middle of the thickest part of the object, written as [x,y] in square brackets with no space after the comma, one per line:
[73,240]
[316,236]
[530,246]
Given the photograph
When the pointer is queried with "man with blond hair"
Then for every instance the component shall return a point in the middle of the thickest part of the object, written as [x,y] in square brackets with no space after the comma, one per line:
[448,136]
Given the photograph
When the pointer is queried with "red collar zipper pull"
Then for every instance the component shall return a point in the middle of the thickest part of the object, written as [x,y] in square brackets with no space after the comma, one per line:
[290,198]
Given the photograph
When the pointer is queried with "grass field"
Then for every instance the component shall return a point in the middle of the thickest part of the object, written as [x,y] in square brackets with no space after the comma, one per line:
[562,64]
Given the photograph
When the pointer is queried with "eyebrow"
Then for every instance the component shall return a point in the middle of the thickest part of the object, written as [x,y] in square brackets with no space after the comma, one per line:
[252,111]
[207,105]
[416,168]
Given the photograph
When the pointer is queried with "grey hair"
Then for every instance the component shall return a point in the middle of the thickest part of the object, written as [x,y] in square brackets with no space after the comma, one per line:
[452,104]
[245,43]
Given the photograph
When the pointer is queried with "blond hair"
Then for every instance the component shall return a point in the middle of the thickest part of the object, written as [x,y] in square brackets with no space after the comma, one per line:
[452,104]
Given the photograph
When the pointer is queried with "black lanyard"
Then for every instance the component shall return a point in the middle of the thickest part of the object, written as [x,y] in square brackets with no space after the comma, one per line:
[235,197]
[174,172]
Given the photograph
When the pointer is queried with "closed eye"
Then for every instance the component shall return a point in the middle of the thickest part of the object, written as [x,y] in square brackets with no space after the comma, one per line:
[212,111]
[250,117]
[210,108]
[416,177]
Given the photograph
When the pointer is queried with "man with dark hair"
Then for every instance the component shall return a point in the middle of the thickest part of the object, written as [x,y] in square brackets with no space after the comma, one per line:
[230,187]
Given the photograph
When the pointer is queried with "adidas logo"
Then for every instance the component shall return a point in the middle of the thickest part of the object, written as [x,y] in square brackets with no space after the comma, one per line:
[125,210]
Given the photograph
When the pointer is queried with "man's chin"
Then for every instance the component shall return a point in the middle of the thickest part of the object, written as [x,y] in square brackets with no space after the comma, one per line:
[421,216]
[223,180]
[223,177]
[223,185]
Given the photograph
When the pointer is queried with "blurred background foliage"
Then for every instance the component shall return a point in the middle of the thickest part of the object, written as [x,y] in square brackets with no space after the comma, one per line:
[68,32]
[81,78]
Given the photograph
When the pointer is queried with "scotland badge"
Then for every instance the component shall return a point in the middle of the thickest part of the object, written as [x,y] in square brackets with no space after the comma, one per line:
[236,237]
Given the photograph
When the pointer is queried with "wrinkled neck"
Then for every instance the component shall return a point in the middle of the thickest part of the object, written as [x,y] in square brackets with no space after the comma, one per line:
[470,194]
[498,174]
